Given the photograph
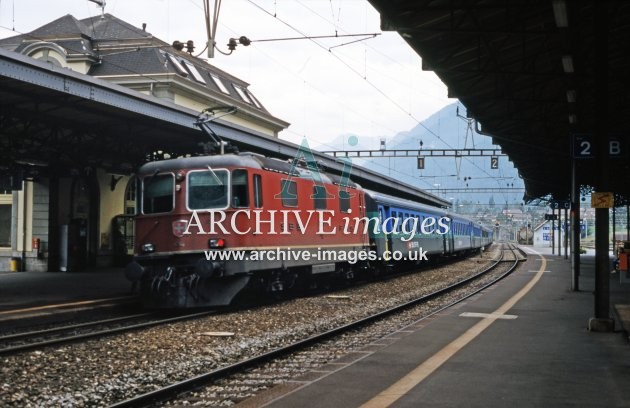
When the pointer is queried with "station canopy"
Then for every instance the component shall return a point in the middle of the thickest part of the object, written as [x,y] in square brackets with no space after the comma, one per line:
[534,74]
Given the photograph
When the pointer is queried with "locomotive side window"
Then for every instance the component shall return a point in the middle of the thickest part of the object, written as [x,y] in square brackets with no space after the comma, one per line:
[258,201]
[319,197]
[289,193]
[207,189]
[157,193]
[344,201]
[240,196]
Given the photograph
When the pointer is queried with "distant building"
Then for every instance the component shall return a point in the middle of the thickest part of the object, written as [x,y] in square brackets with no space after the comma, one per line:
[109,48]
[114,50]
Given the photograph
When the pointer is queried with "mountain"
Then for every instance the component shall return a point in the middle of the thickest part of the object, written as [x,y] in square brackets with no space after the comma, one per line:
[446,129]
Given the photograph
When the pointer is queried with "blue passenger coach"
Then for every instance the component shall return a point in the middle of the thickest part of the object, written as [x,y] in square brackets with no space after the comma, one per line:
[436,231]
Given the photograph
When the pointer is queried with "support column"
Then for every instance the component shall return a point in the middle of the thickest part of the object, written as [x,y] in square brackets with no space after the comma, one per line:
[565,230]
[553,231]
[602,320]
[575,229]
[627,222]
[614,229]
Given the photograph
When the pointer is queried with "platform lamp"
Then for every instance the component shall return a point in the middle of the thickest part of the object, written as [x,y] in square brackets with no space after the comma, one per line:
[560,13]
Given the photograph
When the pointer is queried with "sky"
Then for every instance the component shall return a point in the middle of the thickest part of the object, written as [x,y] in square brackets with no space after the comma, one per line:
[373,88]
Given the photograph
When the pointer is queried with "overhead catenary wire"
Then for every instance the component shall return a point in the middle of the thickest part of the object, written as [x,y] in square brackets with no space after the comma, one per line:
[376,88]
[362,74]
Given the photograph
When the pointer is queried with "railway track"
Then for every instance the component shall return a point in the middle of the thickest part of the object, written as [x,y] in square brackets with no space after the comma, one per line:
[33,340]
[509,259]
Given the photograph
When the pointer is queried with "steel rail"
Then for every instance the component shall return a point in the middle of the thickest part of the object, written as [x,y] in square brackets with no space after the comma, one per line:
[100,333]
[172,390]
[53,330]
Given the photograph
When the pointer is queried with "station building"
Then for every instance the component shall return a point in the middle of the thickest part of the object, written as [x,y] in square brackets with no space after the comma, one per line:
[88,210]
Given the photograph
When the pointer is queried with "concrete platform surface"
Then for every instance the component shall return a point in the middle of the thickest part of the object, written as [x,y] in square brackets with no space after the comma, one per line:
[532,350]
[29,289]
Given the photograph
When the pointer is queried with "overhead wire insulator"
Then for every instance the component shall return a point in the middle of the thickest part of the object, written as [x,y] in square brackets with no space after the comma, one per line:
[232,44]
[244,40]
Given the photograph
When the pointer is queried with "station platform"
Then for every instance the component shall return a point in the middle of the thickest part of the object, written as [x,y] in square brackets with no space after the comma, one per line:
[23,290]
[521,343]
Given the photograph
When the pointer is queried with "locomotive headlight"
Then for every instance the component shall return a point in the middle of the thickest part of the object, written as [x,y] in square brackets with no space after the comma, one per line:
[148,248]
[216,243]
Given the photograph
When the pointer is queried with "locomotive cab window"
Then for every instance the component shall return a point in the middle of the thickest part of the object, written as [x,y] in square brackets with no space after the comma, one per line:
[207,189]
[344,201]
[240,196]
[319,197]
[157,194]
[258,202]
[288,193]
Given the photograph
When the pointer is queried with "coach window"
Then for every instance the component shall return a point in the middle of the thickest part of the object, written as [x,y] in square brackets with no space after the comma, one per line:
[240,196]
[258,201]
[288,193]
[157,193]
[319,197]
[207,189]
[344,201]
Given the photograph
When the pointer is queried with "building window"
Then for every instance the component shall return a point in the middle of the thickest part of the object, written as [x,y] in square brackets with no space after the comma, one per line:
[6,201]
[194,72]
[178,66]
[219,83]
[253,98]
[130,197]
[242,93]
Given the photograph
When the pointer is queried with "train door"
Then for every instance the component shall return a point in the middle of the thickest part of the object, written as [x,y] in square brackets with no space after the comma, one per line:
[450,237]
[385,238]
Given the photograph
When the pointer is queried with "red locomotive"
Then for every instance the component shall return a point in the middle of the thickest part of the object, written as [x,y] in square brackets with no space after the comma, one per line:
[245,204]
[208,226]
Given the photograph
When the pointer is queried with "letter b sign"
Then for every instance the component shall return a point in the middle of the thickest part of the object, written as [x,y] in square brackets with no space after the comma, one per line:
[614,147]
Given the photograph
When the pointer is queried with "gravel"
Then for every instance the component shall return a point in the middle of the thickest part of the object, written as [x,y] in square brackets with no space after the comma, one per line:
[103,371]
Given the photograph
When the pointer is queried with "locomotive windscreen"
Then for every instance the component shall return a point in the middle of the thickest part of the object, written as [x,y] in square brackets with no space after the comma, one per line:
[207,189]
[157,194]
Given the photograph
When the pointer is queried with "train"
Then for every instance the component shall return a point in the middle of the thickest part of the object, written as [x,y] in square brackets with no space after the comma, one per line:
[209,227]
[525,236]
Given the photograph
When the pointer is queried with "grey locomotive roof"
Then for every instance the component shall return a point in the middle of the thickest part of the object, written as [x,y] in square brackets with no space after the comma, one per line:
[198,162]
[248,160]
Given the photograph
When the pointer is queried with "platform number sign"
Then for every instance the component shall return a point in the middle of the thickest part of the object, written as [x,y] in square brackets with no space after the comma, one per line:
[494,162]
[583,147]
[420,163]
[614,147]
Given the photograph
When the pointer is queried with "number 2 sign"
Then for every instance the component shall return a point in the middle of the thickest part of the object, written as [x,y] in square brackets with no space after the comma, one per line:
[583,147]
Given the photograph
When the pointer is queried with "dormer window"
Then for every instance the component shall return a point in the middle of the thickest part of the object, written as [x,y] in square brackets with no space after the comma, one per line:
[242,93]
[47,51]
[178,66]
[219,83]
[194,72]
[253,98]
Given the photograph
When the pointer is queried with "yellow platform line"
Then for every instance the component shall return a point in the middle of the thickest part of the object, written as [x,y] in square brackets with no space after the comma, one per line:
[61,305]
[420,373]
